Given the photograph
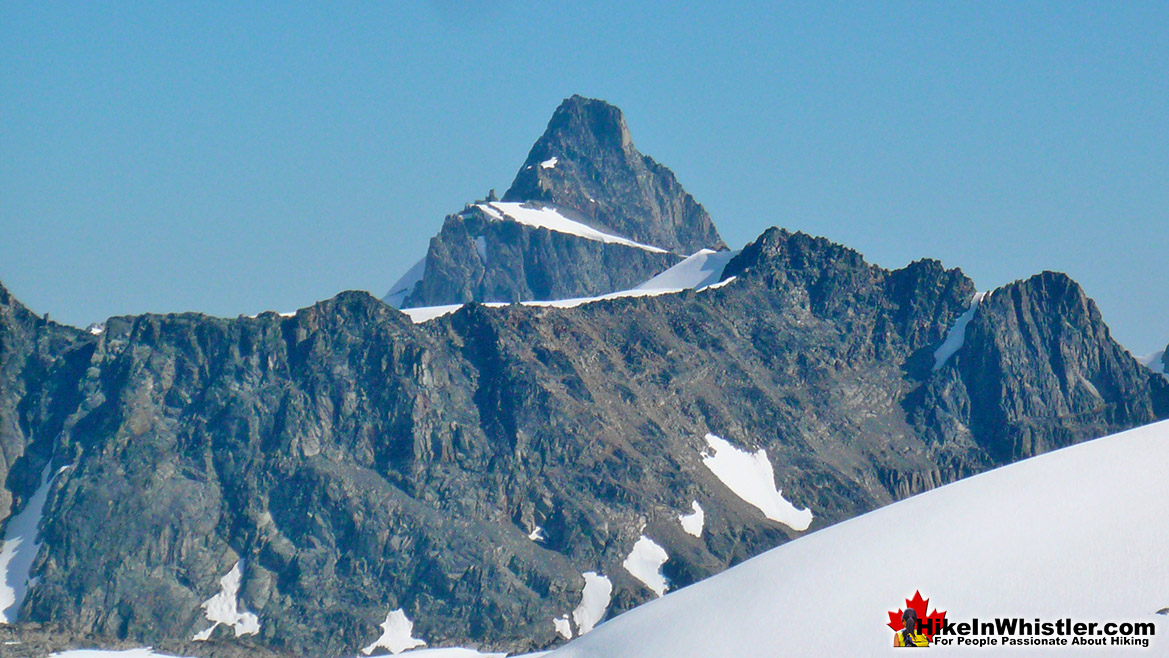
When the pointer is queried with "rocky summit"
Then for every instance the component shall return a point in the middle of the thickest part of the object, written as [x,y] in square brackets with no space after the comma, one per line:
[289,486]
[586,215]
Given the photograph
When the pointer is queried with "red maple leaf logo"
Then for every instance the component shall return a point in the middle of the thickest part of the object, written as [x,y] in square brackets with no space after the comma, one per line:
[919,606]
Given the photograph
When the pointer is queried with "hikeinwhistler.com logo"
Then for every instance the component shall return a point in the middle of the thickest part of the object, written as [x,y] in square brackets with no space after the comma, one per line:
[913,627]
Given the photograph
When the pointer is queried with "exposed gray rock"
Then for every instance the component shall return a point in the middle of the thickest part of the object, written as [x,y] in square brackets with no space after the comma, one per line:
[477,257]
[586,161]
[358,463]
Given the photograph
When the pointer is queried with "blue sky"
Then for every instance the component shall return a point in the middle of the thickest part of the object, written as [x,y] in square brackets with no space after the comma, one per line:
[182,156]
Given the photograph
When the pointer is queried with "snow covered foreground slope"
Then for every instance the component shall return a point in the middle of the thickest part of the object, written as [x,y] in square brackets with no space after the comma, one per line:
[1081,532]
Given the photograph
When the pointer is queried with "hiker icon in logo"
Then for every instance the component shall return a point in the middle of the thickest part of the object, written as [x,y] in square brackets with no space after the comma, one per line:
[908,636]
[912,626]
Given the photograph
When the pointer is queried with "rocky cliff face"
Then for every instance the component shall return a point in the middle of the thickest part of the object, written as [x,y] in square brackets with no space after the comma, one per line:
[586,161]
[478,257]
[1039,371]
[40,362]
[354,463]
[584,169]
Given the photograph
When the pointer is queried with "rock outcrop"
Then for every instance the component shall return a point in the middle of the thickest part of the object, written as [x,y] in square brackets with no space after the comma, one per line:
[586,161]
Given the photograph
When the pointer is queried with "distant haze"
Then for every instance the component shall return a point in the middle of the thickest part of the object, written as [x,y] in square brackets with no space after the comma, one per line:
[231,159]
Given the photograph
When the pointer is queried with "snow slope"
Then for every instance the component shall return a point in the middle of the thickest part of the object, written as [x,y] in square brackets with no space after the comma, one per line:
[700,269]
[405,285]
[1082,532]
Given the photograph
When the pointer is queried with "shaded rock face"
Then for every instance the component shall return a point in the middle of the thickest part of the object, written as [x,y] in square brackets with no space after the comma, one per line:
[477,258]
[599,173]
[358,463]
[1039,371]
[40,362]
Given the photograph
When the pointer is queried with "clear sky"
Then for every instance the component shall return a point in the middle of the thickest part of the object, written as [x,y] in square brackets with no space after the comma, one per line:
[194,156]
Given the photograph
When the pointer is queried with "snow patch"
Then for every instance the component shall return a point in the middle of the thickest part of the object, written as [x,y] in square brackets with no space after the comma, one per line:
[396,631]
[20,548]
[957,334]
[645,564]
[751,478]
[405,285]
[563,627]
[693,523]
[700,269]
[538,534]
[594,601]
[223,608]
[550,218]
[549,163]
[96,328]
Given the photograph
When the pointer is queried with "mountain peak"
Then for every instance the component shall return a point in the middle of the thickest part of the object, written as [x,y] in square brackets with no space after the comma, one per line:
[586,162]
[579,120]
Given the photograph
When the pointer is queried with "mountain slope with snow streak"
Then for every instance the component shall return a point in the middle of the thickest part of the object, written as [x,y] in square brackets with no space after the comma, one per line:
[1076,533]
[420,314]
[553,219]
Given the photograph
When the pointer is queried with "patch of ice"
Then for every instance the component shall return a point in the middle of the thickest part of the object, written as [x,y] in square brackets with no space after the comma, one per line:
[957,333]
[700,269]
[563,627]
[20,548]
[538,534]
[481,248]
[645,564]
[692,523]
[750,477]
[550,218]
[405,285]
[223,608]
[96,328]
[594,601]
[549,163]
[396,634]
